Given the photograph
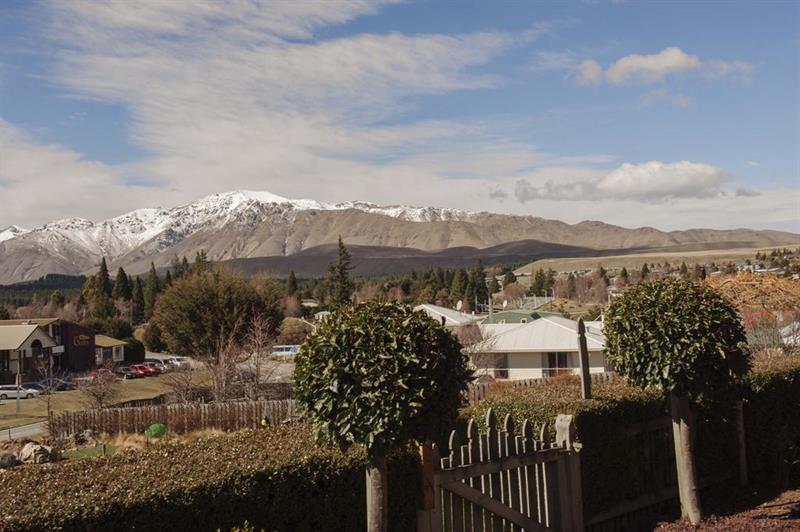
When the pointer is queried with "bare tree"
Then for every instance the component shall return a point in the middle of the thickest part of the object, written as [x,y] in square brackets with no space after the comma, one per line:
[477,344]
[182,383]
[101,389]
[221,365]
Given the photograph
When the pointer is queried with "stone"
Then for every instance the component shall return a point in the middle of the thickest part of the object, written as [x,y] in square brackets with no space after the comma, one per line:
[34,453]
[8,460]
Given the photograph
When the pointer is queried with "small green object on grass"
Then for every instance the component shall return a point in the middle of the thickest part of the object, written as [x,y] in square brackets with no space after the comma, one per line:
[155,431]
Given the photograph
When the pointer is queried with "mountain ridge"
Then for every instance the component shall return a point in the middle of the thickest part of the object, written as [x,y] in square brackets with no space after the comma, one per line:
[249,224]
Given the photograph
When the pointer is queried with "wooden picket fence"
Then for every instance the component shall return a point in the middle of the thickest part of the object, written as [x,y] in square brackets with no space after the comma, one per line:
[479,391]
[179,418]
[504,481]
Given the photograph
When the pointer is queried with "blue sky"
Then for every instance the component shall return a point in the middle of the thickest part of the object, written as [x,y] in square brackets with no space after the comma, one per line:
[667,114]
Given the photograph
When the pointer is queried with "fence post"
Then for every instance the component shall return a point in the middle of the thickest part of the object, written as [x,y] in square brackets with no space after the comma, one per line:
[571,507]
[740,433]
[586,382]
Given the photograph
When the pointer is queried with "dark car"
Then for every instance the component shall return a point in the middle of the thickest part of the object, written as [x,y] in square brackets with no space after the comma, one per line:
[57,385]
[127,373]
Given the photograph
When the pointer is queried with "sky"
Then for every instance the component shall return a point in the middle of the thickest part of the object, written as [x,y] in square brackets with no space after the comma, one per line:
[664,114]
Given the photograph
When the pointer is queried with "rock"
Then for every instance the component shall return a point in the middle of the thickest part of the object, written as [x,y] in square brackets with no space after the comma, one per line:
[8,460]
[84,438]
[34,453]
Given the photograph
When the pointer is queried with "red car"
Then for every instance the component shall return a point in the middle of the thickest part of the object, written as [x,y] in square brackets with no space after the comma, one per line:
[142,370]
[153,366]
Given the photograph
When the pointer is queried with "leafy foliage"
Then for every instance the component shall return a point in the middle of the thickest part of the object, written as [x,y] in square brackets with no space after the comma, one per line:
[200,312]
[380,374]
[276,479]
[676,334]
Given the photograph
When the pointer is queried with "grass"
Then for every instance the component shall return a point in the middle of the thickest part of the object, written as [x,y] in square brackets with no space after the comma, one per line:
[33,410]
[95,451]
[636,261]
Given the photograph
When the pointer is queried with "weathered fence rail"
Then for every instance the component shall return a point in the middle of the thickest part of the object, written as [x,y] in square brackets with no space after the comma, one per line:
[504,481]
[179,418]
[479,391]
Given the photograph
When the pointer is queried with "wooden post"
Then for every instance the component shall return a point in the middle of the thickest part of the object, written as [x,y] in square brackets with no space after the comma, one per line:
[586,383]
[570,505]
[740,433]
[377,492]
[425,514]
[684,458]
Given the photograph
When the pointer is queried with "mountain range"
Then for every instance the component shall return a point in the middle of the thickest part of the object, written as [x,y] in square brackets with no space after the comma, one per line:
[239,225]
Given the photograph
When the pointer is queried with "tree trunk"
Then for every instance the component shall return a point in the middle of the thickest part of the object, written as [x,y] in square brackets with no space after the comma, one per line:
[377,493]
[683,435]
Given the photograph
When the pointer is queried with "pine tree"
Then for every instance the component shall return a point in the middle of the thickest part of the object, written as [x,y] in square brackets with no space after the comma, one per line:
[201,263]
[151,289]
[291,284]
[57,299]
[185,268]
[122,287]
[478,280]
[459,284]
[509,278]
[168,279]
[138,301]
[340,286]
[538,284]
[623,276]
[645,271]
[105,279]
[494,286]
[684,270]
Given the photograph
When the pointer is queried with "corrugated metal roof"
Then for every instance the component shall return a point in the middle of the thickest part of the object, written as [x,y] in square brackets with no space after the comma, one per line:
[547,334]
[13,336]
[452,317]
[101,340]
[36,321]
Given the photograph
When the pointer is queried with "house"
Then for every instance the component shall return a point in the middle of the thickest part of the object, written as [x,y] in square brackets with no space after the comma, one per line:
[517,316]
[107,349]
[21,347]
[74,343]
[544,347]
[452,317]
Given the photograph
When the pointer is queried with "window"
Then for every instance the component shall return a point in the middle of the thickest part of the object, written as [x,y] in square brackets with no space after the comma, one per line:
[557,363]
[5,361]
[501,366]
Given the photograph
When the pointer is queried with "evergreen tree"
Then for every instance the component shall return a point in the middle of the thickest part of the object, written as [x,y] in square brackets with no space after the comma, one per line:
[105,279]
[4,315]
[185,268]
[340,286]
[168,280]
[138,302]
[478,279]
[645,271]
[684,270]
[291,284]
[623,276]
[201,263]
[509,278]
[458,285]
[494,286]
[122,287]
[539,283]
[57,299]
[550,280]
[151,289]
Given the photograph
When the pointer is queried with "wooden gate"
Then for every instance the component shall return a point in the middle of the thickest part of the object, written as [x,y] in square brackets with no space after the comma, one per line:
[501,481]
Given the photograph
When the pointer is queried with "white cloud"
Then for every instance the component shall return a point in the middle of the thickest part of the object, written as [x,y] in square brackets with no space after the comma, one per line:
[650,181]
[653,68]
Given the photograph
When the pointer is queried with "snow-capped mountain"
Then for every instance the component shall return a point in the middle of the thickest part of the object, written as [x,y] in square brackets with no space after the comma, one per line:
[247,224]
[10,232]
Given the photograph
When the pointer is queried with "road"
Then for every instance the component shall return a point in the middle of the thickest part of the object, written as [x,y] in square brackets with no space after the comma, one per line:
[24,431]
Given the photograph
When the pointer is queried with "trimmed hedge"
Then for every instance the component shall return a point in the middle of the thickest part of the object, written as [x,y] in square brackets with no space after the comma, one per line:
[276,479]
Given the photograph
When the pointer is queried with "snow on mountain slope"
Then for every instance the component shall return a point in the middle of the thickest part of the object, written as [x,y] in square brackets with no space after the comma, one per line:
[11,231]
[163,228]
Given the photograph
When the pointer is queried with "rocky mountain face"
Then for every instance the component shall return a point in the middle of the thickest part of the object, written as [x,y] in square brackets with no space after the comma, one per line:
[246,224]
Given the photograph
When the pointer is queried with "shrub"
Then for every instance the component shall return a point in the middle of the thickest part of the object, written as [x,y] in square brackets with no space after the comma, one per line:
[274,479]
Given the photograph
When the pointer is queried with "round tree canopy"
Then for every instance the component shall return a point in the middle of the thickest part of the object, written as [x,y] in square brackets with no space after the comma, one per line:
[380,374]
[677,334]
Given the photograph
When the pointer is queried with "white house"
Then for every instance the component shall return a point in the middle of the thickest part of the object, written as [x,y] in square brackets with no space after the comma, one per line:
[540,348]
[108,348]
[19,346]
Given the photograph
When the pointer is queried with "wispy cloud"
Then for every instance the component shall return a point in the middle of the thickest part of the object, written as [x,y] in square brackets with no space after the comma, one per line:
[662,95]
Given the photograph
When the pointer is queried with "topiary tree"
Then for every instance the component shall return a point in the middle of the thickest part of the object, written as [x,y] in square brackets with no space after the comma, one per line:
[685,338]
[379,375]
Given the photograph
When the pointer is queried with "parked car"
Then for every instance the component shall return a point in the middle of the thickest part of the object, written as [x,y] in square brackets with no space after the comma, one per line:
[160,364]
[57,384]
[153,366]
[285,350]
[127,373]
[139,370]
[9,391]
[179,362]
[146,371]
[35,386]
[100,371]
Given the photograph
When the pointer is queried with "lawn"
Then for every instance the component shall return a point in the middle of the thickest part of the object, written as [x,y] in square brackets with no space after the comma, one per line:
[33,410]
[90,452]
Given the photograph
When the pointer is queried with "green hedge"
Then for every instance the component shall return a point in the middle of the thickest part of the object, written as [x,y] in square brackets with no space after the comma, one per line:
[275,479]
[772,421]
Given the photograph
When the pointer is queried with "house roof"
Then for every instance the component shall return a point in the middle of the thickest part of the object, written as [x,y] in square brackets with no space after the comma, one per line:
[517,316]
[452,317]
[12,337]
[101,340]
[40,322]
[547,334]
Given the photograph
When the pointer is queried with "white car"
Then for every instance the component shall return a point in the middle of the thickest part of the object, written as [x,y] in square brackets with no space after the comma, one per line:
[9,391]
[179,362]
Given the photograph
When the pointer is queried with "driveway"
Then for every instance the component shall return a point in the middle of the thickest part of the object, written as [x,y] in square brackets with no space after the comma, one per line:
[24,431]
